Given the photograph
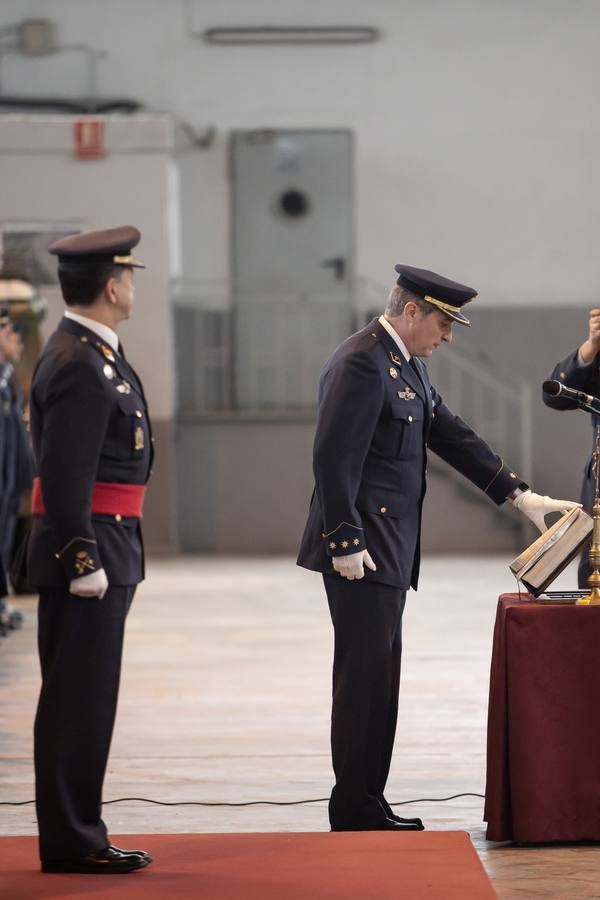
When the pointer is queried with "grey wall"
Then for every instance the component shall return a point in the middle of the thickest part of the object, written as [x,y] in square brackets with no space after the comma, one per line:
[476,122]
[243,484]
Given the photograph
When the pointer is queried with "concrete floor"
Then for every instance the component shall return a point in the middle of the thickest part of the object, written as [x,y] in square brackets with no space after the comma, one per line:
[225,699]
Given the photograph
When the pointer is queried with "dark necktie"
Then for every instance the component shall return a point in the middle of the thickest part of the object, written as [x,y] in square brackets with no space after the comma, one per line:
[412,363]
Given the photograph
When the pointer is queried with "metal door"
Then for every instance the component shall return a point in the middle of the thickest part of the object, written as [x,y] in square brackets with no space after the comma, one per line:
[292,263]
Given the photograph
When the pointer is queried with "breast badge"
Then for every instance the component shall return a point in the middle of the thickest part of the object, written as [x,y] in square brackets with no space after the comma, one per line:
[139,438]
[407,394]
[107,352]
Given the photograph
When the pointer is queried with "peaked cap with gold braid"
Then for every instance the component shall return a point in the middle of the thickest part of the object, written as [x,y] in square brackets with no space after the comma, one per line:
[113,245]
[447,295]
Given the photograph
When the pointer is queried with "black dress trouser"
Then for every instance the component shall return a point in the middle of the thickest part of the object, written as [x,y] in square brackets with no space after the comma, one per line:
[367,621]
[80,642]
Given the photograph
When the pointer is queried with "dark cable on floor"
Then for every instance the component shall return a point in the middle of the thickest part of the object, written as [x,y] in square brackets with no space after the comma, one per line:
[248,802]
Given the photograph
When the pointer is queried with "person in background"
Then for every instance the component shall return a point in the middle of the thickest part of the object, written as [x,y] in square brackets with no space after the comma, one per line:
[581,370]
[16,467]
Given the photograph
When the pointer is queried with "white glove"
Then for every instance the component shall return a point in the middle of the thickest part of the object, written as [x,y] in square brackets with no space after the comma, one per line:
[535,507]
[351,566]
[93,585]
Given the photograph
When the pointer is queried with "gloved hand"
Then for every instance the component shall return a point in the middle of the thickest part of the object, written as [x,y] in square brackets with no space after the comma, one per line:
[93,585]
[535,507]
[351,566]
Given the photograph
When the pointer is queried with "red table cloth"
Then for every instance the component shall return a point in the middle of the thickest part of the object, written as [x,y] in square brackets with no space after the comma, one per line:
[543,759]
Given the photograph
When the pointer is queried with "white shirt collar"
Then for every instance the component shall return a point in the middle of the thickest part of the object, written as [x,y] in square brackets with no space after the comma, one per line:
[103,331]
[394,334]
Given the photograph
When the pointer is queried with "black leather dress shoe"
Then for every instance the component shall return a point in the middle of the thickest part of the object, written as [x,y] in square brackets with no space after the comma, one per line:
[109,861]
[392,815]
[383,824]
[137,852]
[416,821]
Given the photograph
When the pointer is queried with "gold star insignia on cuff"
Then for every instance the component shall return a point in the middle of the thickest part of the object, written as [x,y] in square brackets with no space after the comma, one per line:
[356,542]
[332,545]
[344,544]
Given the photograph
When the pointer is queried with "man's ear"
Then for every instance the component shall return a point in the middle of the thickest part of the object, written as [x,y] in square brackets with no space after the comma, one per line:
[109,290]
[411,310]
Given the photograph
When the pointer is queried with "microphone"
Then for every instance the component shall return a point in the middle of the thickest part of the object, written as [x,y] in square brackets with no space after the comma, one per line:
[558,389]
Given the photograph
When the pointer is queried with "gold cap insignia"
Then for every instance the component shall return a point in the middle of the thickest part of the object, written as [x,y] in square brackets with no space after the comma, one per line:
[128,260]
[453,311]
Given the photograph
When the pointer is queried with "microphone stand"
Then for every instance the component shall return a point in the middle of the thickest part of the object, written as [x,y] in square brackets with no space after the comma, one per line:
[593,598]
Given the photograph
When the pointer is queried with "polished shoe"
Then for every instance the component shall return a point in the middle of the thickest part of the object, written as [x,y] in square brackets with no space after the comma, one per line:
[109,861]
[137,852]
[392,815]
[382,824]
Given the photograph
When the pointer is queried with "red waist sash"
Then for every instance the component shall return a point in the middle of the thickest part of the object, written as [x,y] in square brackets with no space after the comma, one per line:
[108,498]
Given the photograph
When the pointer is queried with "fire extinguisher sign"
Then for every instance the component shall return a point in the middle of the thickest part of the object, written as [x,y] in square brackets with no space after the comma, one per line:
[88,139]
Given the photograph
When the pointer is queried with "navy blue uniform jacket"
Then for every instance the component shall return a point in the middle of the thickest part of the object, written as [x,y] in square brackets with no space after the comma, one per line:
[89,422]
[376,419]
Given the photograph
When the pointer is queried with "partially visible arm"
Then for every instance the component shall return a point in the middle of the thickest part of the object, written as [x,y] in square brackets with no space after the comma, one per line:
[590,347]
[350,404]
[462,448]
[76,409]
[580,369]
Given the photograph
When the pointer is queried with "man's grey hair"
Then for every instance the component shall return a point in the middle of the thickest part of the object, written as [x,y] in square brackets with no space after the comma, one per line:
[398,298]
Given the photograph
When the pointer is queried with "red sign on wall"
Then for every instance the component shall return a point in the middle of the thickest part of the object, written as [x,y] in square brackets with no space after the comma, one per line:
[88,139]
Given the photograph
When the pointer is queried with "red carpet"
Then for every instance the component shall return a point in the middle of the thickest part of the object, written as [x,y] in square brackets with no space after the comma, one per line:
[436,865]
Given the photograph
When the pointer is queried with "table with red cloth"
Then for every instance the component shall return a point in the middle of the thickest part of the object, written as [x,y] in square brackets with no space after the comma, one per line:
[543,755]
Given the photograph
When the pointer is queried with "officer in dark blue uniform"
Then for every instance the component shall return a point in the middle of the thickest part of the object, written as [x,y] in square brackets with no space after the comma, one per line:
[93,448]
[581,371]
[378,414]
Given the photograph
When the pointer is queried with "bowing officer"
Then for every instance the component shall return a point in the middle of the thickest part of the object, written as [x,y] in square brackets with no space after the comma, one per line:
[93,449]
[378,414]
